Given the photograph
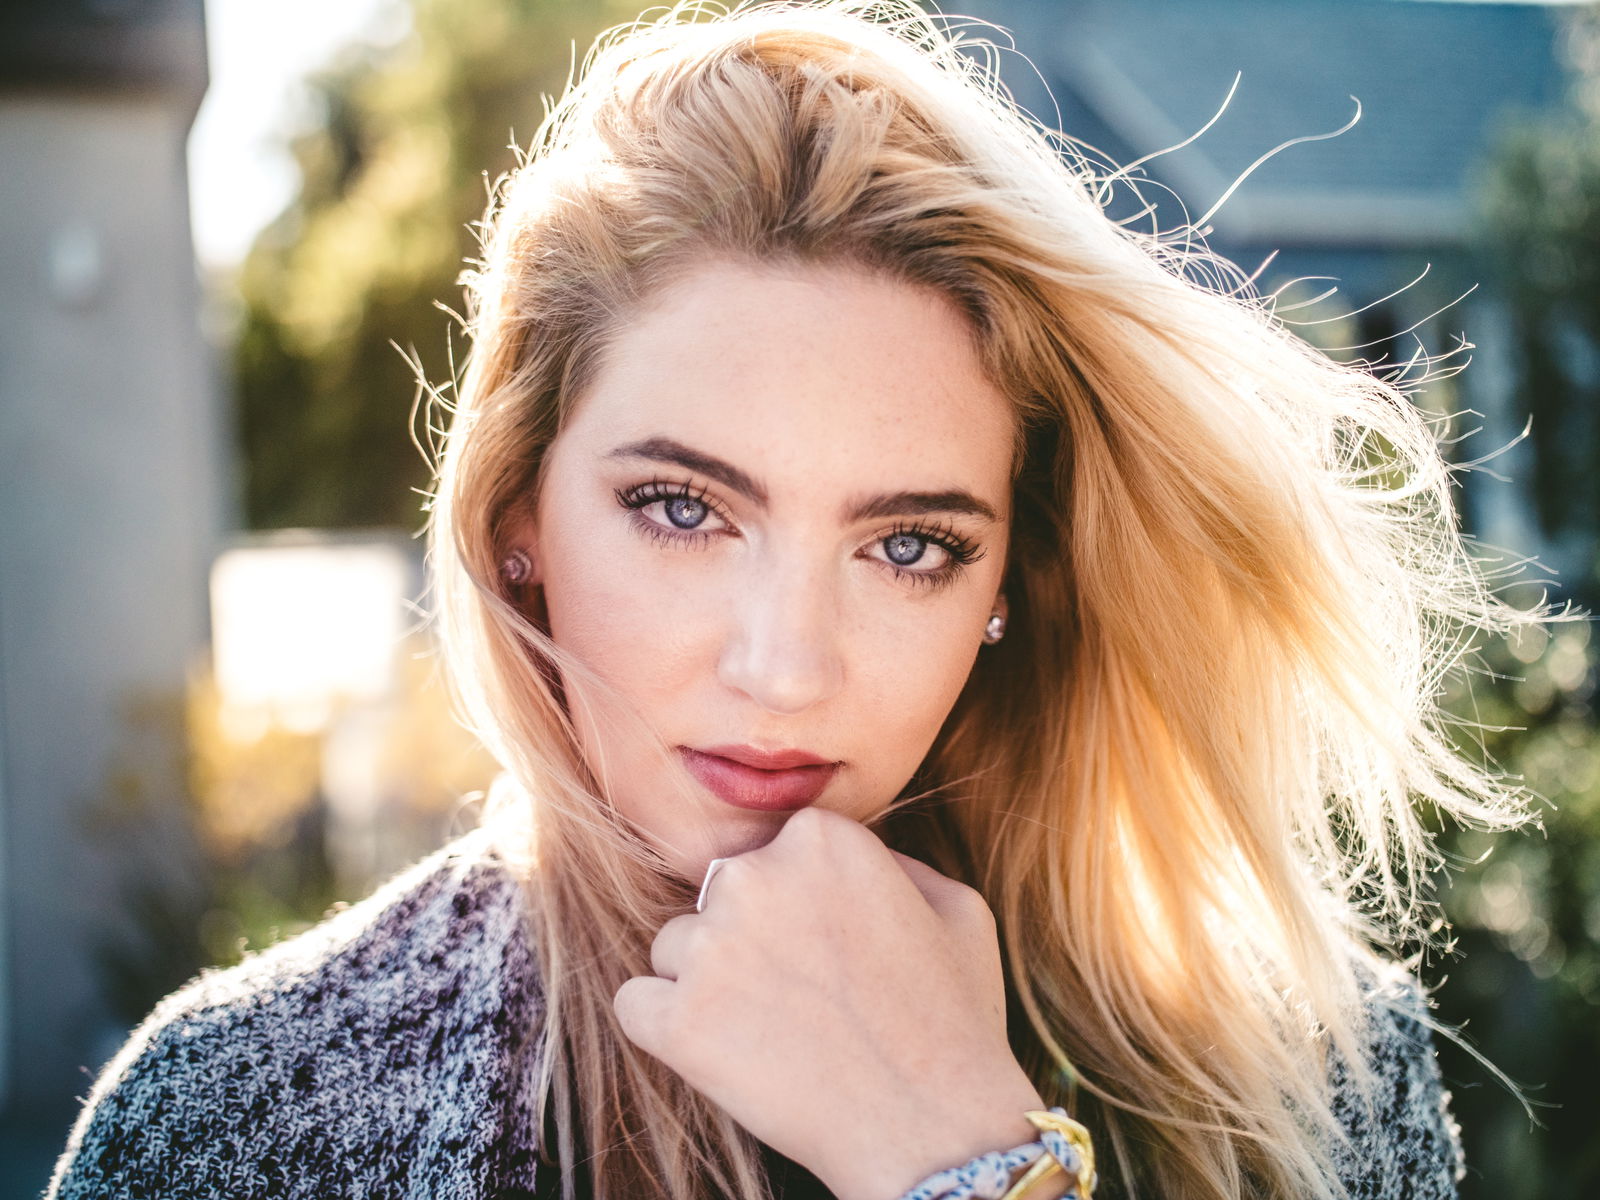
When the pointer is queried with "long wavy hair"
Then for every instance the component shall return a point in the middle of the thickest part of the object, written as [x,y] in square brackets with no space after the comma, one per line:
[1186,782]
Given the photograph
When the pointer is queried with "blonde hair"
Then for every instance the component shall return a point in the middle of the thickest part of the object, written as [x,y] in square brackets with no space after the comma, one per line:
[1184,781]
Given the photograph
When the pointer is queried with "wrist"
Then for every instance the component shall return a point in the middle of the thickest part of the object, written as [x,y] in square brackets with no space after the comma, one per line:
[1059,1163]
[932,1141]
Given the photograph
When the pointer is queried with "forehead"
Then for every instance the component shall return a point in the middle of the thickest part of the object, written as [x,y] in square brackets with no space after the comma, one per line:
[811,373]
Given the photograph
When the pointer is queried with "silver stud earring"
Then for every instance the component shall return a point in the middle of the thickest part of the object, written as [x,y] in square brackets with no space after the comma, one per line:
[994,630]
[516,568]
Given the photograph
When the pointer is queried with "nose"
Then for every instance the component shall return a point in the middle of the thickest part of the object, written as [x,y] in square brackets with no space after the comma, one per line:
[783,648]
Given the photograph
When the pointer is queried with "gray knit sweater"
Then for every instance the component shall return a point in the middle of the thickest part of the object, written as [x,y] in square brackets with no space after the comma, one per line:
[379,1056]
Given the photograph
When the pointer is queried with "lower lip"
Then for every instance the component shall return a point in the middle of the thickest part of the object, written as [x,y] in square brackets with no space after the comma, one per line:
[751,787]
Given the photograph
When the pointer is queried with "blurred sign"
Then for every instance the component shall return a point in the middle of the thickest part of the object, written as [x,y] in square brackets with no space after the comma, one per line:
[301,629]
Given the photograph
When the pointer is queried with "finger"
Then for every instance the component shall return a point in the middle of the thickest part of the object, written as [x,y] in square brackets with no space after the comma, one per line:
[947,897]
[671,951]
[715,866]
[822,839]
[643,1006]
[815,828]
[930,882]
[966,915]
[847,841]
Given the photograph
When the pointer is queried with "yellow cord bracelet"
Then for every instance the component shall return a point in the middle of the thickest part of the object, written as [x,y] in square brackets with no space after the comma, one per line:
[1046,1166]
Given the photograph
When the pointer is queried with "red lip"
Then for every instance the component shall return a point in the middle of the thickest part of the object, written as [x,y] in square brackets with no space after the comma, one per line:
[767,760]
[743,786]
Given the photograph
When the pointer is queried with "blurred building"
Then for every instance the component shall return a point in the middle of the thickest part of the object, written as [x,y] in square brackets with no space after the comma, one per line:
[112,493]
[1387,202]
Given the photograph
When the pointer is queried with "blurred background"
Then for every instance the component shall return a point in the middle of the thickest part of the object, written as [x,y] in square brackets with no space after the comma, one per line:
[230,232]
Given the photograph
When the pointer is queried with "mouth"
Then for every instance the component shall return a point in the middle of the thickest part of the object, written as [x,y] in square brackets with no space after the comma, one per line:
[794,782]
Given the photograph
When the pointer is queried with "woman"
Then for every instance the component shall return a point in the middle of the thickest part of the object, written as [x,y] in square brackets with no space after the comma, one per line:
[948,665]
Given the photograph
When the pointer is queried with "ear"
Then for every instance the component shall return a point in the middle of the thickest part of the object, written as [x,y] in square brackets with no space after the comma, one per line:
[1000,606]
[518,533]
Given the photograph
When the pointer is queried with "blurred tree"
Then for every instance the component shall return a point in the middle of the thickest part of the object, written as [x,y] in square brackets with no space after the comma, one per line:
[1542,227]
[393,173]
[1524,918]
[1525,911]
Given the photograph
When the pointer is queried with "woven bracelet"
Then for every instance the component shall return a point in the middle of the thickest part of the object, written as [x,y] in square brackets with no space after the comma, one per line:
[990,1176]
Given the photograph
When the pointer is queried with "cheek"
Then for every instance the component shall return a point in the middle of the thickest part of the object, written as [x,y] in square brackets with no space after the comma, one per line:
[611,608]
[908,674]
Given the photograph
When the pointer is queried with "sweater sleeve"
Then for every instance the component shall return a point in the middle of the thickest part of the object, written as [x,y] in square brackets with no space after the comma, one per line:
[376,1056]
[1401,1137]
[142,1133]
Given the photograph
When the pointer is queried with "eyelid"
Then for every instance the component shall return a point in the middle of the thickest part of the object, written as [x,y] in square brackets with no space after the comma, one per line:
[657,490]
[960,551]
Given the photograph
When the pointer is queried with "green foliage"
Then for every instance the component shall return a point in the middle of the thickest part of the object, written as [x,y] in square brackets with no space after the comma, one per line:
[1525,918]
[1526,910]
[393,175]
[1541,202]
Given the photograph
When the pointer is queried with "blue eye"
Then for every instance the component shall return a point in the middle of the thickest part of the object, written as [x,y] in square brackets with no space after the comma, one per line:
[686,512]
[908,544]
[904,548]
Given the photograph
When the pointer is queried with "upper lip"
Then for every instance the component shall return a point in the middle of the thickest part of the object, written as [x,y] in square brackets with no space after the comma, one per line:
[766,760]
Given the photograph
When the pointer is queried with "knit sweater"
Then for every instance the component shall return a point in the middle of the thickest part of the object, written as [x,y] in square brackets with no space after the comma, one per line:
[381,1056]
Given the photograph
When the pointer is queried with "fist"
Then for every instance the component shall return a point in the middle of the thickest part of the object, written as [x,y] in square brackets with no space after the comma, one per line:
[842,1002]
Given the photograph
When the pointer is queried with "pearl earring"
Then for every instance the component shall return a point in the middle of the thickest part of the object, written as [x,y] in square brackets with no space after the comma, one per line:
[516,568]
[994,630]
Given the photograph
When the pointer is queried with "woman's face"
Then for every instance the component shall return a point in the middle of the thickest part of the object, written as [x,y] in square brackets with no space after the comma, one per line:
[776,520]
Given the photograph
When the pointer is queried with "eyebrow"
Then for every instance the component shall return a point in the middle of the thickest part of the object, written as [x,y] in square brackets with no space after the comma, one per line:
[884,504]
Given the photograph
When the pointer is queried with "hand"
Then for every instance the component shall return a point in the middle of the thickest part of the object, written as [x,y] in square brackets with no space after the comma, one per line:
[842,1002]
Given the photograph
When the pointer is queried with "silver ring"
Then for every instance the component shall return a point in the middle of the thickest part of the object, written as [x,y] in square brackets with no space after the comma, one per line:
[711,873]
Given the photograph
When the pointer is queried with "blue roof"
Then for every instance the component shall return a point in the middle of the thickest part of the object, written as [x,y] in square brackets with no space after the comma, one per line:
[1434,80]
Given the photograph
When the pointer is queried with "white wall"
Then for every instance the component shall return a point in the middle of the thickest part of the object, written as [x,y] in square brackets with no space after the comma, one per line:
[110,505]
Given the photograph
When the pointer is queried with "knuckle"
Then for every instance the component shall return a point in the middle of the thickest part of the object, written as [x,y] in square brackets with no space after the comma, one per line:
[661,950]
[679,945]
[733,878]
[821,828]
[694,939]
[627,1004]
[810,822]
[970,902]
[644,1016]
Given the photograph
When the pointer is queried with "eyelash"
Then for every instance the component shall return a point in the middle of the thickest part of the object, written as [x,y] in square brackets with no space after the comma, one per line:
[961,553]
